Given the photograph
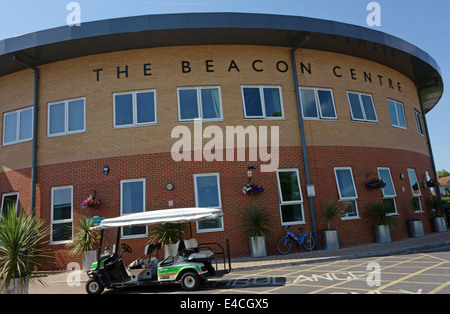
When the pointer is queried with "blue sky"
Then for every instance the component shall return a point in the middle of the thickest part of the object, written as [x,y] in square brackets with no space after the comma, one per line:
[422,23]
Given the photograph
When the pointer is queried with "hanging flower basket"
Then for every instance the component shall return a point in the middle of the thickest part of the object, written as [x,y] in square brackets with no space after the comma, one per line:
[428,184]
[375,183]
[90,201]
[253,189]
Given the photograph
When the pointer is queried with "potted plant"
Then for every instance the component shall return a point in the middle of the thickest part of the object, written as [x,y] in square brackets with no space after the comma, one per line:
[438,218]
[85,242]
[330,236]
[415,225]
[22,239]
[380,213]
[255,224]
[168,235]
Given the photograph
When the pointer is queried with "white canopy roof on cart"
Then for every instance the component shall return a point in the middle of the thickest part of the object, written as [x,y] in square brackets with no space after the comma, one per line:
[174,215]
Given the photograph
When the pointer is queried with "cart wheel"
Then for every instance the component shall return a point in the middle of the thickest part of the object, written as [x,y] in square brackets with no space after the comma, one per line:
[190,281]
[93,286]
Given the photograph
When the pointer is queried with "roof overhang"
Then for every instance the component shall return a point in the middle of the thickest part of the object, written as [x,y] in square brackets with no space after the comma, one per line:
[225,28]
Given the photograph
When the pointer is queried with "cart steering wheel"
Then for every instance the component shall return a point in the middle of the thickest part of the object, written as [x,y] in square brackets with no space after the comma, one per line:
[126,248]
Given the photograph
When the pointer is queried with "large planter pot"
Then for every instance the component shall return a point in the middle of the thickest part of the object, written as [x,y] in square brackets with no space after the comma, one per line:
[382,234]
[330,240]
[415,228]
[258,246]
[15,287]
[439,224]
[89,257]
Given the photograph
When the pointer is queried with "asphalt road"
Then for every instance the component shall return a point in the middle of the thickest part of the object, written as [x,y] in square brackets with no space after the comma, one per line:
[422,272]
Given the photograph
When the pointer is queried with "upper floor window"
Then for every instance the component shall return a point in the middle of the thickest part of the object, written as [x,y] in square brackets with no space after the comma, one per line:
[66,117]
[419,123]
[134,108]
[361,107]
[199,103]
[18,126]
[397,114]
[317,103]
[262,102]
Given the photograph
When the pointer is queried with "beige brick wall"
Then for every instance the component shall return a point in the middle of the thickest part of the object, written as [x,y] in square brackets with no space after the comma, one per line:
[75,78]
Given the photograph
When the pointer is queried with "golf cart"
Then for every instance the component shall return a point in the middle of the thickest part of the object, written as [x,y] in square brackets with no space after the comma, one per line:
[191,265]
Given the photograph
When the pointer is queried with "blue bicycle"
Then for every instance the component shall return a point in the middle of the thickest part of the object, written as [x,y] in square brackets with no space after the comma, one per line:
[307,240]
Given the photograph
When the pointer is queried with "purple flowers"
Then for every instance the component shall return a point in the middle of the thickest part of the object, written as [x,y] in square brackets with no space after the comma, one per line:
[90,201]
[375,183]
[253,189]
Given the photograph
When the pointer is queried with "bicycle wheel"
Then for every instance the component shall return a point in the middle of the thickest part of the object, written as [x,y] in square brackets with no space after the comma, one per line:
[284,245]
[309,242]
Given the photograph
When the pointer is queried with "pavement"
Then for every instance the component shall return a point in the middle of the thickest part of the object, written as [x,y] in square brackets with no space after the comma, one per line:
[72,282]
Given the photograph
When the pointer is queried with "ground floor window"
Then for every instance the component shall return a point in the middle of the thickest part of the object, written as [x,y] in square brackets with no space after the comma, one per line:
[291,200]
[347,192]
[415,189]
[388,191]
[9,199]
[61,214]
[132,200]
[207,195]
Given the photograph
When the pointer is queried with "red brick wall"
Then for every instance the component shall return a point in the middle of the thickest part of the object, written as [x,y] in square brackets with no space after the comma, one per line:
[159,169]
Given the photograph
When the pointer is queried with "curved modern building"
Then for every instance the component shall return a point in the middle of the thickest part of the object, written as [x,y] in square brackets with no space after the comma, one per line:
[185,110]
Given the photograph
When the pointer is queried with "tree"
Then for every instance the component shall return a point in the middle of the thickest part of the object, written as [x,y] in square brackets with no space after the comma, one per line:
[443,173]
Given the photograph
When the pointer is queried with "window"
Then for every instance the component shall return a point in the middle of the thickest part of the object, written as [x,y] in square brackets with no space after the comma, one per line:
[207,194]
[66,117]
[135,108]
[418,123]
[262,102]
[415,189]
[347,192]
[61,216]
[18,126]
[397,114]
[132,200]
[9,199]
[199,103]
[361,107]
[388,191]
[432,190]
[291,200]
[317,103]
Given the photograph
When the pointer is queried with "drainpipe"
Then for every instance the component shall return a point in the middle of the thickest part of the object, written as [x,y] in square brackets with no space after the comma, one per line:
[302,133]
[425,125]
[35,128]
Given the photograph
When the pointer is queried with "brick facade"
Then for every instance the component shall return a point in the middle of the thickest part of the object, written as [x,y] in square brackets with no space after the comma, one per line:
[144,152]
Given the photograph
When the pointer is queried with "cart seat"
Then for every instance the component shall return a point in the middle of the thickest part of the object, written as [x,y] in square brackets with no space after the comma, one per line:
[194,254]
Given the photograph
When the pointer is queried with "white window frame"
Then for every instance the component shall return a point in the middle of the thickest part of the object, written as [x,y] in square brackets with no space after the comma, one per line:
[144,196]
[415,195]
[317,102]
[52,221]
[347,199]
[296,202]
[363,110]
[10,194]
[419,123]
[134,109]
[199,104]
[217,175]
[66,117]
[387,196]
[396,114]
[18,112]
[263,104]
